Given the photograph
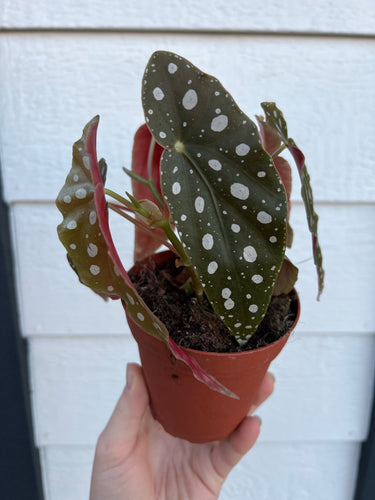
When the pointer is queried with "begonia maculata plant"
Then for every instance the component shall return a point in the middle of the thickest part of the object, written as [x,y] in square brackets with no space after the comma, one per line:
[209,184]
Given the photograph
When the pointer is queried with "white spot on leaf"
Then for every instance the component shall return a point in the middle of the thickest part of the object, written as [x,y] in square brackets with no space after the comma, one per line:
[92,250]
[212,267]
[94,270]
[235,228]
[207,241]
[264,217]
[92,217]
[158,93]
[239,191]
[215,164]
[242,149]
[130,298]
[86,162]
[176,188]
[190,99]
[219,123]
[199,204]
[229,304]
[71,224]
[250,254]
[172,68]
[81,193]
[257,278]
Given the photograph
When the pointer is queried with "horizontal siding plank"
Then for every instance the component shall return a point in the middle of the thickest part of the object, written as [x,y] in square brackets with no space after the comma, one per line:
[64,374]
[67,472]
[296,471]
[52,84]
[315,16]
[58,304]
[323,389]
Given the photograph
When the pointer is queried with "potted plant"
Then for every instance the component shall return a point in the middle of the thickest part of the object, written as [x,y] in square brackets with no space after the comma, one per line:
[211,186]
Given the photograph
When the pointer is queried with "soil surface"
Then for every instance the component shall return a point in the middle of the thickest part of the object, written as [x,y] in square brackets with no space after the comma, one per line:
[194,324]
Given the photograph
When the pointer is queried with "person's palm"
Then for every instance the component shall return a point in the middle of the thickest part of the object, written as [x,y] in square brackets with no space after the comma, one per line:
[136,459]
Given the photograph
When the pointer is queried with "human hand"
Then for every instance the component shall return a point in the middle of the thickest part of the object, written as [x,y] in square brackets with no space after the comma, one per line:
[136,459]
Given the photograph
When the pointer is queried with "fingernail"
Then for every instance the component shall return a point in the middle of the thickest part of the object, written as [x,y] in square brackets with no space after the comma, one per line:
[252,409]
[258,418]
[129,377]
[273,376]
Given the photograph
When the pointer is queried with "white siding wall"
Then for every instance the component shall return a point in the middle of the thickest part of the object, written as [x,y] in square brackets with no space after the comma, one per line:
[63,62]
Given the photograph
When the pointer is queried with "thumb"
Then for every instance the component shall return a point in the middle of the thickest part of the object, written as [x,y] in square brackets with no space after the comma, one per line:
[122,429]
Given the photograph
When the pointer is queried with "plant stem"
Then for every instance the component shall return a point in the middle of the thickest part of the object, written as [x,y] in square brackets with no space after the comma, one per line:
[197,285]
[278,151]
[142,226]
[150,158]
[150,184]
[116,196]
[176,244]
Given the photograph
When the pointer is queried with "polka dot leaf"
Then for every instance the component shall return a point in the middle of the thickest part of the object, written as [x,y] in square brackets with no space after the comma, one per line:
[271,143]
[225,195]
[86,236]
[276,120]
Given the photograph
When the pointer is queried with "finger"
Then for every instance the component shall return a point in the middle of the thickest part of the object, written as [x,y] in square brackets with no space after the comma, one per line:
[265,390]
[229,452]
[124,424]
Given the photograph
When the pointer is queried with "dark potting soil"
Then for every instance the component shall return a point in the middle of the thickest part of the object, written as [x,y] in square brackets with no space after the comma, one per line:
[194,324]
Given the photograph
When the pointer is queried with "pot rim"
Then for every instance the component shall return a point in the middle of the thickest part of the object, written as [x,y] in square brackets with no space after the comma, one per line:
[220,354]
[257,349]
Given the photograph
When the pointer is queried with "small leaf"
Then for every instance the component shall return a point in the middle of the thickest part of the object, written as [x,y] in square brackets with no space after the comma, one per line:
[86,236]
[286,279]
[141,148]
[103,170]
[271,142]
[145,244]
[225,195]
[276,120]
[285,172]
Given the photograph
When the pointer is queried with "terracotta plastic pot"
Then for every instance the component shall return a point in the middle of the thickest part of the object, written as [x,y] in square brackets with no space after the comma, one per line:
[187,408]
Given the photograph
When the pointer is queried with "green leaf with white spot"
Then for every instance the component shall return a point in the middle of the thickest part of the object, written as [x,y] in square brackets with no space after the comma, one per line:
[86,236]
[225,195]
[276,120]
